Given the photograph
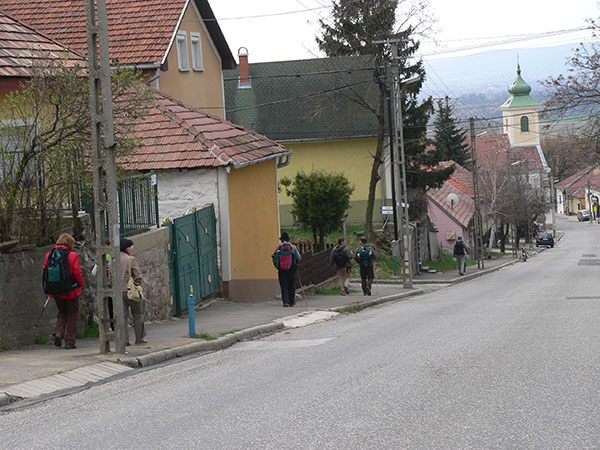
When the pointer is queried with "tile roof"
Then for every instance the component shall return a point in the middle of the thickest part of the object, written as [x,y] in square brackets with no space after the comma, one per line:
[461,178]
[140,31]
[573,178]
[176,136]
[305,99]
[21,47]
[462,211]
[494,151]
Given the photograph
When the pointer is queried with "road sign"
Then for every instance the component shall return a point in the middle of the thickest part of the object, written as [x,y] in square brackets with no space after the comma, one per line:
[387,210]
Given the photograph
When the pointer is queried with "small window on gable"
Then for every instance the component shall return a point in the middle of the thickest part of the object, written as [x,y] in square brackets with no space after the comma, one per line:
[182,51]
[196,43]
[524,124]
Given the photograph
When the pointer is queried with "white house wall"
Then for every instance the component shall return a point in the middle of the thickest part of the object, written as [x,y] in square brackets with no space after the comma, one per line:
[179,191]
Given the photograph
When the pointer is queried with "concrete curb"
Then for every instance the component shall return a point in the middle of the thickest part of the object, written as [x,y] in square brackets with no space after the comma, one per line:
[378,301]
[196,347]
[4,399]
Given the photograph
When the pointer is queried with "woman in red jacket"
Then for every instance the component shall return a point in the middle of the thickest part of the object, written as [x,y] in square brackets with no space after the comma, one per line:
[67,304]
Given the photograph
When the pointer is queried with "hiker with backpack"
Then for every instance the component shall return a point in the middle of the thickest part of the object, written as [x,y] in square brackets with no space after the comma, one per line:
[131,269]
[63,280]
[364,256]
[460,254]
[341,260]
[286,259]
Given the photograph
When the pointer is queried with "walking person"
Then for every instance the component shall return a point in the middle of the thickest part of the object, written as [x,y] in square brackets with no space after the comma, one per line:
[63,280]
[131,269]
[286,259]
[364,256]
[460,254]
[341,260]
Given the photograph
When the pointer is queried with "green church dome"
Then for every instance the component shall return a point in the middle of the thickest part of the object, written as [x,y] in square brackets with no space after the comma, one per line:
[519,93]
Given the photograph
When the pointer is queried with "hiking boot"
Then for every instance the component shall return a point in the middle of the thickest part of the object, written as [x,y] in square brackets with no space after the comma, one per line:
[57,340]
[141,341]
[69,347]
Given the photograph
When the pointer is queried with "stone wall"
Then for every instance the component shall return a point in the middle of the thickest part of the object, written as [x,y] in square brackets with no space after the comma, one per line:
[22,297]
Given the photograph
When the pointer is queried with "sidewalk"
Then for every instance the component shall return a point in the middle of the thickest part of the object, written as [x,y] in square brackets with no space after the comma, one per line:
[44,369]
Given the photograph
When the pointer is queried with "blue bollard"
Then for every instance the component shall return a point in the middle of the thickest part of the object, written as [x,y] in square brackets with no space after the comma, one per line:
[192,315]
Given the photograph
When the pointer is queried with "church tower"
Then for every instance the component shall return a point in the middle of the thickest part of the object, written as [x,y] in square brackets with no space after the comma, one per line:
[520,114]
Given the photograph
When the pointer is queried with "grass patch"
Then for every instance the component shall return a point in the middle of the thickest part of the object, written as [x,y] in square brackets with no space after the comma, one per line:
[89,332]
[205,336]
[348,309]
[4,348]
[41,341]
[332,291]
[228,332]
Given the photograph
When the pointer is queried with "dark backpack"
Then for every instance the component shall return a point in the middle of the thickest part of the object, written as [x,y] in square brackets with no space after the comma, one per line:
[340,259]
[364,255]
[284,258]
[459,248]
[57,273]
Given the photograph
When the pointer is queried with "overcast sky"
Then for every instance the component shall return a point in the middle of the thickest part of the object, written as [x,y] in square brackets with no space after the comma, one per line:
[286,34]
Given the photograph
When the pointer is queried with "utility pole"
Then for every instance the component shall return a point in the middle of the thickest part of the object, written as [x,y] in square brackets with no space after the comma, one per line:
[106,211]
[477,218]
[407,269]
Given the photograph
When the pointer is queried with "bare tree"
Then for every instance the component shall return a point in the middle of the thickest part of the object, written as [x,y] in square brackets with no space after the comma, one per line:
[43,140]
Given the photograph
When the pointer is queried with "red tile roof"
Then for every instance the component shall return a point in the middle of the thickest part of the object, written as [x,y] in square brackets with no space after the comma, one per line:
[136,33]
[21,47]
[494,151]
[461,178]
[462,211]
[140,31]
[573,178]
[177,136]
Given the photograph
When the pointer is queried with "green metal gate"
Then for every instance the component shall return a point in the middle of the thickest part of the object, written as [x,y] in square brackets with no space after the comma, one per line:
[193,257]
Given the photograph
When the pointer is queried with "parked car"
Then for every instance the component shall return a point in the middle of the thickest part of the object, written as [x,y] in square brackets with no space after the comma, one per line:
[583,215]
[545,239]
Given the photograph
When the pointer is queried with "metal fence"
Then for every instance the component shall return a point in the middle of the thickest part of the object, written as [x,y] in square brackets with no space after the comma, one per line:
[138,204]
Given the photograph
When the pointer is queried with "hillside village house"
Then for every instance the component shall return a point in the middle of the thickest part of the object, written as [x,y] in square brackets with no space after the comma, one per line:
[198,156]
[579,191]
[315,107]
[517,150]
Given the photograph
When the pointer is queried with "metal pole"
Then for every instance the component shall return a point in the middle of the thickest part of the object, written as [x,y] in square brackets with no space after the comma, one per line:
[105,179]
[392,160]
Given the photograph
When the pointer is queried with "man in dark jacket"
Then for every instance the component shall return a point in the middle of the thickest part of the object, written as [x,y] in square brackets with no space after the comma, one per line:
[287,275]
[341,260]
[364,257]
[460,254]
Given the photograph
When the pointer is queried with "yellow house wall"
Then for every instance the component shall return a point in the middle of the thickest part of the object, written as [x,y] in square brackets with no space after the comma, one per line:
[254,231]
[353,158]
[202,89]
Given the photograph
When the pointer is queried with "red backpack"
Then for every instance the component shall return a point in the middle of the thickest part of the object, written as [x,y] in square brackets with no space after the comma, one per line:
[284,258]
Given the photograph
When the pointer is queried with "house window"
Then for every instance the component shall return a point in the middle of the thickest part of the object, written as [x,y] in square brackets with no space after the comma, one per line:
[182,51]
[196,43]
[14,137]
[524,124]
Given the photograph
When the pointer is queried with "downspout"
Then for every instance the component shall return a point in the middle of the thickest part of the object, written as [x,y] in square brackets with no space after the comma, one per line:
[154,77]
[284,160]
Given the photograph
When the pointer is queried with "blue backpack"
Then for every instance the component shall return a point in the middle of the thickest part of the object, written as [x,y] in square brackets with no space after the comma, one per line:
[364,255]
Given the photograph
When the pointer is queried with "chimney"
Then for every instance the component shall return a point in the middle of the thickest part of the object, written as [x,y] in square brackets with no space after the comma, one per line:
[245,82]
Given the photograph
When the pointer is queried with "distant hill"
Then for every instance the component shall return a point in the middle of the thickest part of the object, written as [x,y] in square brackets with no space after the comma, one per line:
[480,81]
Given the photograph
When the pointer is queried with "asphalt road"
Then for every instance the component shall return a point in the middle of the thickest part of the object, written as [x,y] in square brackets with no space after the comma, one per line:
[510,360]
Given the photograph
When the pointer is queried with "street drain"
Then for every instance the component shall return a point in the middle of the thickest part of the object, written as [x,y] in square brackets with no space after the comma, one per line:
[588,255]
[583,298]
[589,262]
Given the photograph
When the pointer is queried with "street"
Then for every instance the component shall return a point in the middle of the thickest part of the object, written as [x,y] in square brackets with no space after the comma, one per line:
[509,360]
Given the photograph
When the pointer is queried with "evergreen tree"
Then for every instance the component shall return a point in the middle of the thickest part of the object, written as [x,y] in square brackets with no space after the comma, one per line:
[448,137]
[352,29]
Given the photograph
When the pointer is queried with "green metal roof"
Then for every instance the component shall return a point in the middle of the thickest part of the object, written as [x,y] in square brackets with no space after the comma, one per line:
[311,99]
[519,94]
